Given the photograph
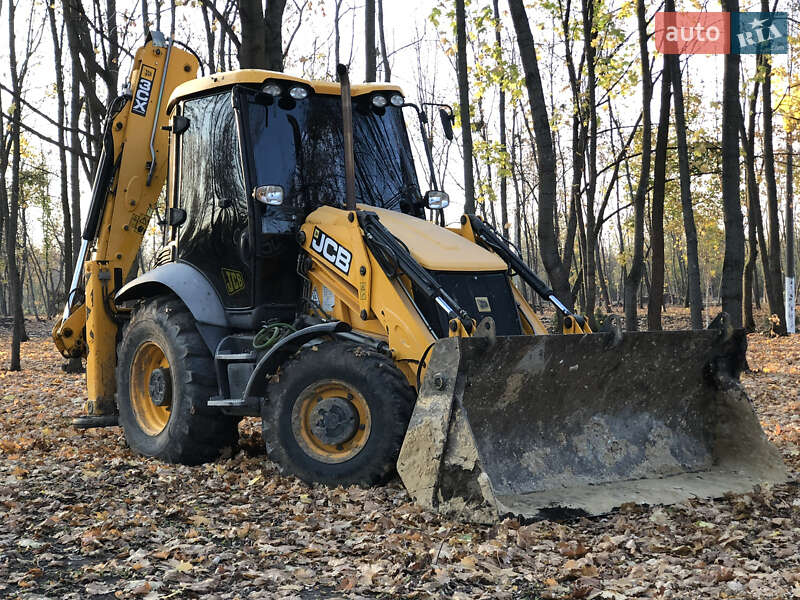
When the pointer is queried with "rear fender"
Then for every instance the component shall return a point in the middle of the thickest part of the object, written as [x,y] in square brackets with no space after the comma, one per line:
[193,289]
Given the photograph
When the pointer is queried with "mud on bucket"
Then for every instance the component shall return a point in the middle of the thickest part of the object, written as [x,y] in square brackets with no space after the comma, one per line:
[546,426]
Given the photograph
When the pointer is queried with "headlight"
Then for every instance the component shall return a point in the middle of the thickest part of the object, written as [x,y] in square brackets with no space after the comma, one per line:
[269,194]
[397,100]
[298,92]
[272,88]
[379,101]
[437,200]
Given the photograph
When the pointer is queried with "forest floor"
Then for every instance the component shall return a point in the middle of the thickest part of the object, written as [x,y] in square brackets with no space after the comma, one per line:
[81,517]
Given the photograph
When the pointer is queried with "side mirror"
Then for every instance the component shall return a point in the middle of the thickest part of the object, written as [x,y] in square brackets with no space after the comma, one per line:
[180,124]
[436,200]
[271,195]
[447,123]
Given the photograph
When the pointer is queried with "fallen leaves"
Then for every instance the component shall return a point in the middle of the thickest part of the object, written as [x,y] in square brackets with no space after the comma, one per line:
[83,517]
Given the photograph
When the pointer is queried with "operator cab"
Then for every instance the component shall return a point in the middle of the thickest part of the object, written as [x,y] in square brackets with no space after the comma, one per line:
[260,152]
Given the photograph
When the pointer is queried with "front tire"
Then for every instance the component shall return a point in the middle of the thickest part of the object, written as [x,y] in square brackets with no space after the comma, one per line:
[165,376]
[336,414]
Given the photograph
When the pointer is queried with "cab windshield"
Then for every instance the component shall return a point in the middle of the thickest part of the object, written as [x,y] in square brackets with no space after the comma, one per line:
[299,146]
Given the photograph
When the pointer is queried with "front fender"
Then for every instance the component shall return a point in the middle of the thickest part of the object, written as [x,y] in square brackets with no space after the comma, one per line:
[186,282]
[276,355]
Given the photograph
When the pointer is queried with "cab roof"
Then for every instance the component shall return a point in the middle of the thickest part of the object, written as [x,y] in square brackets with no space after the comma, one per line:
[201,85]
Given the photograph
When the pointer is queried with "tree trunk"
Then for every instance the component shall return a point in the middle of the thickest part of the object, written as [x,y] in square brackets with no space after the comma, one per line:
[463,106]
[370,57]
[602,277]
[634,276]
[557,271]
[753,209]
[758,287]
[252,54]
[733,263]
[273,26]
[146,19]
[590,236]
[694,295]
[655,298]
[755,219]
[336,33]
[749,268]
[262,41]
[62,153]
[502,109]
[11,216]
[74,167]
[387,69]
[790,286]
[210,37]
[111,71]
[86,67]
[774,272]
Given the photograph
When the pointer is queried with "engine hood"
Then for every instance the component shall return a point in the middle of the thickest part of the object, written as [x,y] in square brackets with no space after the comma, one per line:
[434,247]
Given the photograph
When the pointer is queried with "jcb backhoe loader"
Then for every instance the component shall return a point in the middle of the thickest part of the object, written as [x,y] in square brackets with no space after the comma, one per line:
[300,281]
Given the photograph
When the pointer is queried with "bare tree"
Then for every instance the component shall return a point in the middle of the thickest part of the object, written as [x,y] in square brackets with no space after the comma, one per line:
[733,263]
[387,69]
[62,152]
[502,117]
[74,166]
[557,271]
[463,105]
[634,276]
[790,231]
[755,227]
[262,41]
[10,199]
[655,299]
[772,269]
[689,228]
[370,51]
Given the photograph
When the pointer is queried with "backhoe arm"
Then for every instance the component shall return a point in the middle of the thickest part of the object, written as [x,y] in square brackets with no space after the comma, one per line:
[128,182]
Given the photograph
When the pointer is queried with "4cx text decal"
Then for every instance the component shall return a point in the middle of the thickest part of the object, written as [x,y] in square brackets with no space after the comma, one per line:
[143,89]
[331,250]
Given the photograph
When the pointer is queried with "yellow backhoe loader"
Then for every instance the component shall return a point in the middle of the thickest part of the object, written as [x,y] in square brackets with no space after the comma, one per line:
[305,279]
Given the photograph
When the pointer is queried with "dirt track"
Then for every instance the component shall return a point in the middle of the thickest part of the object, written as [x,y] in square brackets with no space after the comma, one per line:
[82,517]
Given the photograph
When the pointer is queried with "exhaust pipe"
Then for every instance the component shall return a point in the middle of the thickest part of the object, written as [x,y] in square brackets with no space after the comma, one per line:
[347,133]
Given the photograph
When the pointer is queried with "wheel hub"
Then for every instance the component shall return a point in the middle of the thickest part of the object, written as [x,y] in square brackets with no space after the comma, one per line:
[334,420]
[160,387]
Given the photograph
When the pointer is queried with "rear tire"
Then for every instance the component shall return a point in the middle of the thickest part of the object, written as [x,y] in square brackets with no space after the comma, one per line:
[370,402]
[162,336]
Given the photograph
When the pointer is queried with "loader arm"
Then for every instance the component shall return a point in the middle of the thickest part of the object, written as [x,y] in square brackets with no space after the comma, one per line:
[486,236]
[128,182]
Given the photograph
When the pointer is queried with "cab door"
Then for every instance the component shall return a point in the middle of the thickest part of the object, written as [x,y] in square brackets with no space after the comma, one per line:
[214,235]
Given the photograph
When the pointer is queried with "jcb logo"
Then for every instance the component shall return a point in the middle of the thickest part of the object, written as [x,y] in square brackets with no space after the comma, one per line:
[234,281]
[331,250]
[143,90]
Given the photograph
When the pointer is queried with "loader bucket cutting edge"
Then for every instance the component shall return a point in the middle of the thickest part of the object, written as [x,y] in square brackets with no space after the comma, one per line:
[537,426]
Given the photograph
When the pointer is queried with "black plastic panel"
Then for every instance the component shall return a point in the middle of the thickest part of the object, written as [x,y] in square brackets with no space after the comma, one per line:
[480,294]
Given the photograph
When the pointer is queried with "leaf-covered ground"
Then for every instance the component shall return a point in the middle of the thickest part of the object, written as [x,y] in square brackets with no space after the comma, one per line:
[82,517]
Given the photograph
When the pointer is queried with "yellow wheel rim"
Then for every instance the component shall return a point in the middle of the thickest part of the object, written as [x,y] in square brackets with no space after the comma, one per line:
[151,418]
[309,417]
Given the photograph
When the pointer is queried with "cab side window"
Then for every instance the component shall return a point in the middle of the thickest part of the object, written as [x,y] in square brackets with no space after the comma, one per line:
[214,237]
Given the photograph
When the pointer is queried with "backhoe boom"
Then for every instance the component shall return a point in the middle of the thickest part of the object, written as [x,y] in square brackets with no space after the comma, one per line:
[128,182]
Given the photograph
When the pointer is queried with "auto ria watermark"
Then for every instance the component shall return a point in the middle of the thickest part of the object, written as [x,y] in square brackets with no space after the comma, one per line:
[721,32]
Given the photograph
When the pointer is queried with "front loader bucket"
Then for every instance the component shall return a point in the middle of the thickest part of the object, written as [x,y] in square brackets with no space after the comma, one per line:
[548,426]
